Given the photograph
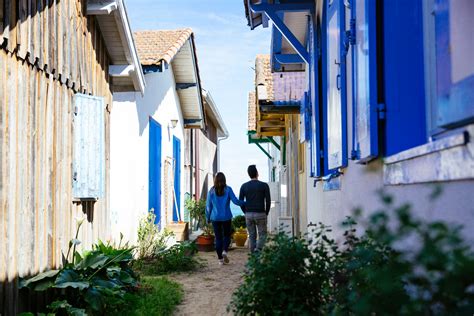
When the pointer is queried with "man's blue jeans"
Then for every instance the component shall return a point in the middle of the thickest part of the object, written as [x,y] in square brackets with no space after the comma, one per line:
[256,222]
[222,232]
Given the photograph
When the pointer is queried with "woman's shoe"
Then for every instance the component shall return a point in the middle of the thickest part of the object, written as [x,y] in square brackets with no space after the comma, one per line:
[226,259]
[221,262]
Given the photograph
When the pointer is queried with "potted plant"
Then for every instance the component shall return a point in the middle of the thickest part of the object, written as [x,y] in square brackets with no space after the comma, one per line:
[197,211]
[240,230]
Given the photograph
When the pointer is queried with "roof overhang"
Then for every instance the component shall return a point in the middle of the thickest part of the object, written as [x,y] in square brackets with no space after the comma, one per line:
[215,116]
[290,30]
[188,84]
[125,69]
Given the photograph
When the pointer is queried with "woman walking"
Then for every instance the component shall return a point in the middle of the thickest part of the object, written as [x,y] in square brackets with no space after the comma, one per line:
[218,212]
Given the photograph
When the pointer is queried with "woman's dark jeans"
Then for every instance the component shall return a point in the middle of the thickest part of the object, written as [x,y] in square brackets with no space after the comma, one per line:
[222,233]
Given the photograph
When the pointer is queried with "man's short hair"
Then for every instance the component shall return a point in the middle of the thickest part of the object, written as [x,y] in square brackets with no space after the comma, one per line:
[252,171]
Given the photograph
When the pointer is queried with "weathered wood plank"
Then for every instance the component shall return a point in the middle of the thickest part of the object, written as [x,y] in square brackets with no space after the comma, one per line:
[67,42]
[3,170]
[1,23]
[12,255]
[50,167]
[23,33]
[46,35]
[34,32]
[22,235]
[6,20]
[60,39]
[39,36]
[12,27]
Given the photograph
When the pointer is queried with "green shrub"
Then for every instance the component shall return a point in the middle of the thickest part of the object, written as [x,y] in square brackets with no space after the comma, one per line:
[197,211]
[150,239]
[178,258]
[238,222]
[94,283]
[158,296]
[283,279]
[398,266]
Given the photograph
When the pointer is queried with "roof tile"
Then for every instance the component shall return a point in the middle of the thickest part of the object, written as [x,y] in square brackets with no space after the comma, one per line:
[156,46]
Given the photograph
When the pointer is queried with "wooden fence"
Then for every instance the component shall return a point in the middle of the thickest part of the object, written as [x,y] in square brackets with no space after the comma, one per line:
[50,50]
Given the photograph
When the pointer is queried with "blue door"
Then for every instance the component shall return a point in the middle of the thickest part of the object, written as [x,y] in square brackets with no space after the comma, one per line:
[177,178]
[154,173]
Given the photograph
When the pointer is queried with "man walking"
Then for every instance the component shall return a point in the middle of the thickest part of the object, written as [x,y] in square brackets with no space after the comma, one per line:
[257,205]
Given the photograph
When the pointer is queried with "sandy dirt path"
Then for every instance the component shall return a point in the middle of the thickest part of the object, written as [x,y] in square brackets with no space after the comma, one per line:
[208,291]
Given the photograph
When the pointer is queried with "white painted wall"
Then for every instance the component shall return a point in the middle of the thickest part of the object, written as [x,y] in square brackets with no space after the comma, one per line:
[129,149]
[360,184]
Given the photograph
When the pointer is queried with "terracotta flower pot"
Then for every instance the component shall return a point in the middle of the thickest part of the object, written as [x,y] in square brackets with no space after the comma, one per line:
[205,243]
[240,237]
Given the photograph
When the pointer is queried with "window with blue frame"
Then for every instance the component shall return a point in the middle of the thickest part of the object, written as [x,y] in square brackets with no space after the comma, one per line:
[449,35]
[334,88]
[364,81]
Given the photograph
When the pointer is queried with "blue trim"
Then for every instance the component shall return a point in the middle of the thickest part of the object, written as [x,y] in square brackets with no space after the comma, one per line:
[365,149]
[191,121]
[182,86]
[277,40]
[337,7]
[154,171]
[273,11]
[288,58]
[177,177]
[316,167]
[152,69]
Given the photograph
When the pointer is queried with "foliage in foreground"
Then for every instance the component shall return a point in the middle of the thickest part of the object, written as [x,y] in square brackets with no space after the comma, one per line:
[178,258]
[158,296]
[92,283]
[398,266]
[150,239]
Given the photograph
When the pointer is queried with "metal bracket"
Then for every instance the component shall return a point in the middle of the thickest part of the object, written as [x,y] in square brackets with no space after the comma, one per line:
[264,151]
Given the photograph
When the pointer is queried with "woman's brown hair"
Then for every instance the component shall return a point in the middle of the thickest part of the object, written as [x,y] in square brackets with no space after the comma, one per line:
[219,183]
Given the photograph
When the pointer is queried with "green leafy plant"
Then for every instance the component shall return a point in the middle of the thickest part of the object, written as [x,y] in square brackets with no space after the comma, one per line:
[150,239]
[397,265]
[178,258]
[197,211]
[93,282]
[158,296]
[239,222]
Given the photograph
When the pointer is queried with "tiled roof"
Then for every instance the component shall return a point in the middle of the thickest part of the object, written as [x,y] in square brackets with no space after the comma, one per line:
[155,46]
[252,112]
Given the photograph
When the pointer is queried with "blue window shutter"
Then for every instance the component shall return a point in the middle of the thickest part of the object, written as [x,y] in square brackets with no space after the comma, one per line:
[454,78]
[89,147]
[314,104]
[403,83]
[306,113]
[364,81]
[334,89]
